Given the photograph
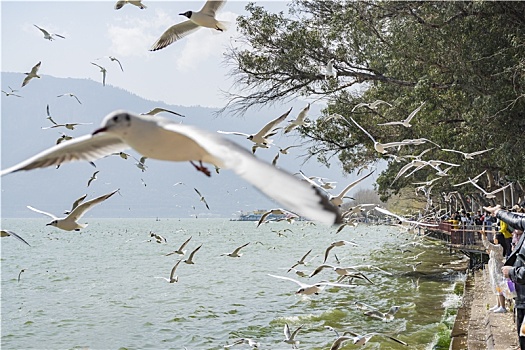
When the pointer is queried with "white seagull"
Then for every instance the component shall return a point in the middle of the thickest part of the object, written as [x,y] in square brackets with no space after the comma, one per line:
[70,95]
[309,289]
[103,71]
[337,244]
[381,147]
[385,317]
[467,155]
[300,262]
[262,137]
[196,20]
[32,74]
[406,122]
[172,278]
[338,200]
[180,251]
[158,110]
[92,178]
[47,35]
[276,211]
[8,233]
[289,337]
[69,223]
[475,179]
[11,93]
[162,139]
[121,3]
[372,105]
[402,219]
[492,194]
[300,120]
[190,258]
[235,253]
[358,339]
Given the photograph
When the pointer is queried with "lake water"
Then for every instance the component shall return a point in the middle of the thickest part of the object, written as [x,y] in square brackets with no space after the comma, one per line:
[96,289]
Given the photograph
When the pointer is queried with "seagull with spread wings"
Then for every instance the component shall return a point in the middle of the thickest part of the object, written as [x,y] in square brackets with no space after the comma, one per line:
[103,71]
[468,155]
[173,278]
[300,120]
[70,95]
[235,253]
[69,223]
[180,251]
[196,20]
[120,3]
[47,35]
[262,137]
[158,110]
[32,74]
[406,122]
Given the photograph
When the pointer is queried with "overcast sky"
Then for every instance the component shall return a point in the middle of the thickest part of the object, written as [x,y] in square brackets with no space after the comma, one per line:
[188,72]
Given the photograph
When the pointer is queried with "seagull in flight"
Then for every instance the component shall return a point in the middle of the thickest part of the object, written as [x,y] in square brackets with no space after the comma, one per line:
[70,95]
[92,178]
[289,337]
[341,271]
[75,204]
[277,211]
[180,251]
[121,3]
[173,278]
[103,71]
[202,199]
[381,147]
[196,20]
[492,194]
[301,261]
[475,179]
[337,244]
[32,74]
[158,110]
[11,93]
[338,200]
[235,253]
[47,35]
[372,105]
[300,120]
[309,289]
[358,339]
[262,137]
[7,233]
[467,155]
[406,122]
[163,139]
[385,317]
[69,223]
[190,258]
[402,219]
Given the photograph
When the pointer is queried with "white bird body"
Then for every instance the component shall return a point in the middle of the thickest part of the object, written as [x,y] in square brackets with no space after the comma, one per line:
[338,200]
[180,251]
[406,122]
[69,223]
[48,35]
[32,74]
[158,110]
[196,20]
[262,137]
[190,258]
[235,253]
[120,3]
[289,337]
[467,155]
[402,219]
[309,289]
[492,194]
[337,244]
[173,278]
[300,120]
[163,139]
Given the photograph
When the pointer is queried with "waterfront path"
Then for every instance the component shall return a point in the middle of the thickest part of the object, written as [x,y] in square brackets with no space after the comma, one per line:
[477,328]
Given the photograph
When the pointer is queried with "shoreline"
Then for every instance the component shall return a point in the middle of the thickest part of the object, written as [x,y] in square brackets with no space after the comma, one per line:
[475,327]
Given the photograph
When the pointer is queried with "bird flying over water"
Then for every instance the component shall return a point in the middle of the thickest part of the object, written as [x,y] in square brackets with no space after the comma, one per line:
[69,223]
[180,251]
[202,199]
[196,20]
[235,253]
[7,233]
[173,278]
[163,139]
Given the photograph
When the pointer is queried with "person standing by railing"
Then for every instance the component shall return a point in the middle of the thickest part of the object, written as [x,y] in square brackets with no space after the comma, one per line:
[514,266]
[495,251]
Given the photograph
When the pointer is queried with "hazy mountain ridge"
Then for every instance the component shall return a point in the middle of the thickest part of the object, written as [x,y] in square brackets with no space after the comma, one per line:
[54,190]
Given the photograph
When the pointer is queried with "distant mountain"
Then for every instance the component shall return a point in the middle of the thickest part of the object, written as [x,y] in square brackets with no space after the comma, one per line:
[153,193]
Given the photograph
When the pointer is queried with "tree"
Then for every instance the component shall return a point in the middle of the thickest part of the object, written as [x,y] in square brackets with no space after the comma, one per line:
[464,60]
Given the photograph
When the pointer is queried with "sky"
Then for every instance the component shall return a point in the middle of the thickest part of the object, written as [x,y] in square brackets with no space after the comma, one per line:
[189,72]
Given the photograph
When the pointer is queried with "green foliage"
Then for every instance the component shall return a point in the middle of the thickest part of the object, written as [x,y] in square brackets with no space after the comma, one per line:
[465,60]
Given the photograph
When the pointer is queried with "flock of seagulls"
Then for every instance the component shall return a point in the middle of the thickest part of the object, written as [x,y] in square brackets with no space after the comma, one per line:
[159,138]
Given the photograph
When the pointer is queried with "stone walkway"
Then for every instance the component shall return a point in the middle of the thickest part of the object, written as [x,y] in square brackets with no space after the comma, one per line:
[476,328]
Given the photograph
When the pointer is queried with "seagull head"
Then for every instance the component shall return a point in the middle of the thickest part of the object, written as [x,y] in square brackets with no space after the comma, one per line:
[52,223]
[187,14]
[114,121]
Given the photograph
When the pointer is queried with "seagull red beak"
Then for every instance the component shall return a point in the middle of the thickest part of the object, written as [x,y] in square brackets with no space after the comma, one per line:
[99,130]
